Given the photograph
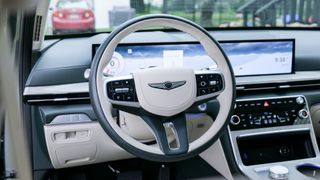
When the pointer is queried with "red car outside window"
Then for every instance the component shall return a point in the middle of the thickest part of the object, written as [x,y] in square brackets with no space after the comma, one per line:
[73,16]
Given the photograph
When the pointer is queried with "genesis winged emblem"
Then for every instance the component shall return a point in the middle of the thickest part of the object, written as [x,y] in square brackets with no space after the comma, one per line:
[168,85]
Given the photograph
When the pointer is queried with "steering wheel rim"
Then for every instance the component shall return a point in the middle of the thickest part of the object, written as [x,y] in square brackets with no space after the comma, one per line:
[103,108]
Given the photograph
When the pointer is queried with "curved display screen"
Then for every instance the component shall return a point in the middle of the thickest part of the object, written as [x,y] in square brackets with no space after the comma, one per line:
[259,57]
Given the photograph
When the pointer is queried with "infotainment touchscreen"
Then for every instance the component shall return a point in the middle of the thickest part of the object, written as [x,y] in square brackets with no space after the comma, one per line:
[261,57]
[248,58]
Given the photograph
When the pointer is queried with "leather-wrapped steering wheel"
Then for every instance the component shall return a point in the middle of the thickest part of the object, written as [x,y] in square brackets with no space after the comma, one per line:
[161,95]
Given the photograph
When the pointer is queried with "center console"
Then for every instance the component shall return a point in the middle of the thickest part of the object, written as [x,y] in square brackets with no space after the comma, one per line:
[272,137]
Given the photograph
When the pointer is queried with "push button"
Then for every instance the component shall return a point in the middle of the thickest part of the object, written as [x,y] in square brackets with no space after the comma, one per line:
[208,83]
[213,83]
[128,98]
[201,77]
[203,84]
[128,82]
[204,91]
[213,90]
[284,151]
[118,97]
[122,90]
[116,83]
[212,76]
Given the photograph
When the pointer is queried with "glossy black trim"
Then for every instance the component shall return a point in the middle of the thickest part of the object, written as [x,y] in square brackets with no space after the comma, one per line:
[99,111]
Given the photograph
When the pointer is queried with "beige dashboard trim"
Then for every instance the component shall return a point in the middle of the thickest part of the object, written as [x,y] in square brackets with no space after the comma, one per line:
[215,156]
[79,144]
[57,89]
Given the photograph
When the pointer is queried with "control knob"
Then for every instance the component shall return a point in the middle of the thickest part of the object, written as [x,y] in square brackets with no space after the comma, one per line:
[278,172]
[235,120]
[300,100]
[86,74]
[303,114]
[202,107]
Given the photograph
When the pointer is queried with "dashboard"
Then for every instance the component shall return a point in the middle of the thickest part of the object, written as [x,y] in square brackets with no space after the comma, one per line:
[247,58]
[272,68]
[70,57]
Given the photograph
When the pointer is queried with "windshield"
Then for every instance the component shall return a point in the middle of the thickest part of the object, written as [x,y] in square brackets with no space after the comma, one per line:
[72,4]
[82,16]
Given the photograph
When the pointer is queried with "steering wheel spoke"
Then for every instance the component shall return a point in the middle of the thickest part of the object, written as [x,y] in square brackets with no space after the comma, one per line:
[177,124]
[209,84]
[121,91]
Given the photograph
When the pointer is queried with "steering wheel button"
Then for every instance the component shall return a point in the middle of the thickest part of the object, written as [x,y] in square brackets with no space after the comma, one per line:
[116,83]
[111,94]
[128,98]
[118,97]
[213,90]
[122,90]
[203,83]
[212,76]
[212,83]
[131,90]
[112,90]
[200,77]
[204,91]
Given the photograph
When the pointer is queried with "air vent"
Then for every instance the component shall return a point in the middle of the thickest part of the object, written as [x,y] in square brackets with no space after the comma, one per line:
[283,85]
[37,28]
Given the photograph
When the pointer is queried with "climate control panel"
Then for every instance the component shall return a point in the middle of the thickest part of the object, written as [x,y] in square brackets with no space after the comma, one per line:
[269,112]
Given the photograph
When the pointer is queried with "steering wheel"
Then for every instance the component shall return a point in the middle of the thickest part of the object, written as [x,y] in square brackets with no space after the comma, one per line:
[161,95]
